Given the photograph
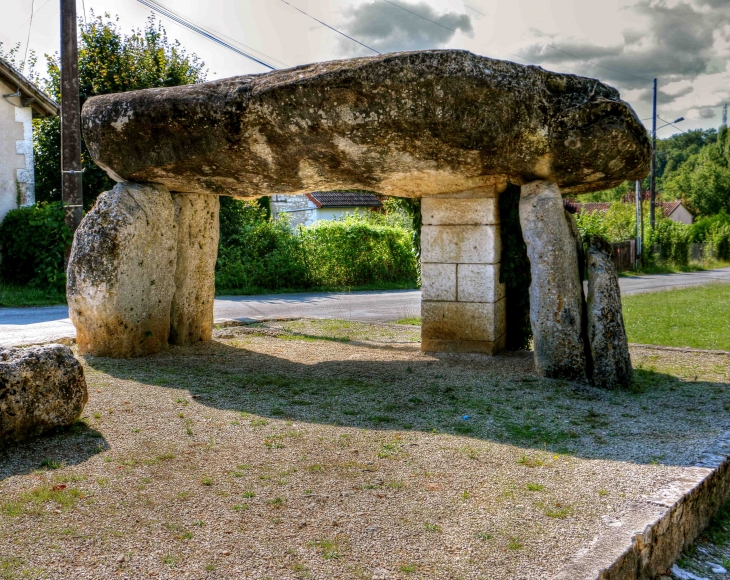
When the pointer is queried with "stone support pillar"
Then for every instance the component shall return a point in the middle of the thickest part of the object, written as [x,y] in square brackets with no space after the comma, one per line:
[121,273]
[556,292]
[462,300]
[196,218]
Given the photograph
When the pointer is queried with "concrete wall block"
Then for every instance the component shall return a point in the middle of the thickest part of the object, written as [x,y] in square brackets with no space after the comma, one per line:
[479,283]
[438,282]
[461,244]
[465,321]
[438,211]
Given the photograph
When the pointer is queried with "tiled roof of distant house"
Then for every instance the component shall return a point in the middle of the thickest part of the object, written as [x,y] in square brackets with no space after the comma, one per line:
[576,207]
[344,199]
[669,206]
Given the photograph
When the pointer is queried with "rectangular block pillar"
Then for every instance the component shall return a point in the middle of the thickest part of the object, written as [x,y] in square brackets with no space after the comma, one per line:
[462,300]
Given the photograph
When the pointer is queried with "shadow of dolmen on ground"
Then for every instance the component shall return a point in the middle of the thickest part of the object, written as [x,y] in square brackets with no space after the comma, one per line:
[498,399]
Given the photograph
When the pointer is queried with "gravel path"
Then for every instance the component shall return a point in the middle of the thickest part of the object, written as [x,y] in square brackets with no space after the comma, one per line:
[335,449]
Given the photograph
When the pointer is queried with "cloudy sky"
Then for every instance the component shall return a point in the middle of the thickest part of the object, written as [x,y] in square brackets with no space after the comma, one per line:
[625,43]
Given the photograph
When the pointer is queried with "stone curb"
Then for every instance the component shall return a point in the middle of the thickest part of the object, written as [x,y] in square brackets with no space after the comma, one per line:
[678,348]
[651,535]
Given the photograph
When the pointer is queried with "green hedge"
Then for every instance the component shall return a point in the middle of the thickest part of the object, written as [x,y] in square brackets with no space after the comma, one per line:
[256,254]
[33,241]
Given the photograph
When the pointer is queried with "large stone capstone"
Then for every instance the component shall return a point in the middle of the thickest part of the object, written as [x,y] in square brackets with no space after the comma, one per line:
[41,388]
[404,124]
[606,332]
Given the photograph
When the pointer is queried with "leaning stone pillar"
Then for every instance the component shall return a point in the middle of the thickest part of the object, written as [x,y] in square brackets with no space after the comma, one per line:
[196,218]
[462,300]
[606,332]
[121,272]
[556,293]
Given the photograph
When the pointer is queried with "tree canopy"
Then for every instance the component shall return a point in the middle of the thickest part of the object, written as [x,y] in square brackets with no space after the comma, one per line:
[109,62]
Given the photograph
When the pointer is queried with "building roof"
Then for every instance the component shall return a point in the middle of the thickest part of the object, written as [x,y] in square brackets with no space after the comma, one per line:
[30,95]
[668,207]
[344,199]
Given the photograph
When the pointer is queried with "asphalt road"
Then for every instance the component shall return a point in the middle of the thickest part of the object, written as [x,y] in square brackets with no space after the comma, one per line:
[35,325]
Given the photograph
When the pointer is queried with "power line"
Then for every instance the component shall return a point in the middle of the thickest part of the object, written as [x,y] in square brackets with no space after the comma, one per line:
[330,27]
[210,35]
[670,124]
[27,42]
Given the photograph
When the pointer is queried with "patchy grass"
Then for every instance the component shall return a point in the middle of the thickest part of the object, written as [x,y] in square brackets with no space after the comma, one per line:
[20,296]
[694,317]
[328,458]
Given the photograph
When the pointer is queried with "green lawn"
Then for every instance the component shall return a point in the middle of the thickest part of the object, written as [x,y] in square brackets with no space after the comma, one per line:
[696,317]
[17,296]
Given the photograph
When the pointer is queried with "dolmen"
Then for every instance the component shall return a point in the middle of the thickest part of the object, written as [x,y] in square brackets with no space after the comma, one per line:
[447,126]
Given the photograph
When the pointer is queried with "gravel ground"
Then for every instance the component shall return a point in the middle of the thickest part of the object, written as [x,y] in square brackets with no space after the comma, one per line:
[330,449]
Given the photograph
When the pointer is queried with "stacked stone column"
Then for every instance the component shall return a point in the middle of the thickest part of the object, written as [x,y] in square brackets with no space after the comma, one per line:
[462,300]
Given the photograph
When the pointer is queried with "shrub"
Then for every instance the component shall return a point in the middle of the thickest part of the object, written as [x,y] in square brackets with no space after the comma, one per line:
[672,240]
[355,251]
[33,241]
[258,254]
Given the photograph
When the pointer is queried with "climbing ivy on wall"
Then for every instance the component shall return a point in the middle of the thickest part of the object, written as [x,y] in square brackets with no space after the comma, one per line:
[515,271]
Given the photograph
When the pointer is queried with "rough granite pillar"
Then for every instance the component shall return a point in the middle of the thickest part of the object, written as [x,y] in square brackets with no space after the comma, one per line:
[121,273]
[191,317]
[556,294]
[462,300]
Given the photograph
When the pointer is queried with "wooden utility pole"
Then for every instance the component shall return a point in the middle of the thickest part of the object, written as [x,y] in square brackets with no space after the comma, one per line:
[70,117]
[652,184]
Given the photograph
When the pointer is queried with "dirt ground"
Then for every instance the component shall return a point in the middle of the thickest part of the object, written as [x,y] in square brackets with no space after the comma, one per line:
[333,449]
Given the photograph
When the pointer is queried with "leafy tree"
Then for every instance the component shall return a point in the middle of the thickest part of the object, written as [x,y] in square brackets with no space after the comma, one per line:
[109,62]
[703,180]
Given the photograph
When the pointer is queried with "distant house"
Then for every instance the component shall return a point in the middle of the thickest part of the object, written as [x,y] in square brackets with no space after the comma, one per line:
[674,210]
[321,205]
[21,102]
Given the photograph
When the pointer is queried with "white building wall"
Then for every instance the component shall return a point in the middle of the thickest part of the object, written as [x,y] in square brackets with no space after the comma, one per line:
[681,215]
[16,154]
[302,211]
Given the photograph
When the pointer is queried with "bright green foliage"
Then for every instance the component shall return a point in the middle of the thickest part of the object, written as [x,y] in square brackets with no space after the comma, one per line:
[670,240]
[356,251]
[704,178]
[256,254]
[33,241]
[109,62]
[616,225]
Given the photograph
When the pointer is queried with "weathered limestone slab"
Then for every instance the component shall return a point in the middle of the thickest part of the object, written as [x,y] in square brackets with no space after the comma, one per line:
[462,306]
[438,282]
[461,244]
[479,283]
[462,327]
[191,318]
[606,332]
[556,294]
[408,124]
[121,273]
[449,211]
[41,388]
